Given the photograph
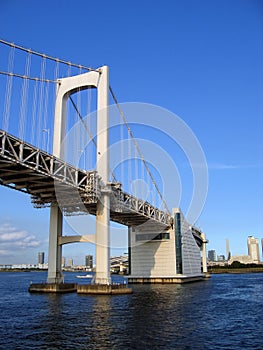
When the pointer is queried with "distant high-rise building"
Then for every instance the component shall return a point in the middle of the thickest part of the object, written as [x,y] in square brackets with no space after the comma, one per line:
[70,262]
[253,249]
[41,258]
[211,255]
[221,258]
[63,261]
[228,254]
[89,261]
[262,247]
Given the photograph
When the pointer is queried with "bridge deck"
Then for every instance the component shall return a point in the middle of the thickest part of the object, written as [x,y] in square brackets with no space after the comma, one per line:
[48,179]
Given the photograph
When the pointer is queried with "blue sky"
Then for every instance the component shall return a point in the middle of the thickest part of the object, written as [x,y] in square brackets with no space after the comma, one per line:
[202,60]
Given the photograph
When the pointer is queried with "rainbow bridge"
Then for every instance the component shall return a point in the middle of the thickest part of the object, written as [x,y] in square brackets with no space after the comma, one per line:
[38,109]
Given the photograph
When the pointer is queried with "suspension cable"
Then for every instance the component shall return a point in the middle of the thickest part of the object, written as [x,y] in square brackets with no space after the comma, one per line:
[138,149]
[27,77]
[88,131]
[82,121]
[46,56]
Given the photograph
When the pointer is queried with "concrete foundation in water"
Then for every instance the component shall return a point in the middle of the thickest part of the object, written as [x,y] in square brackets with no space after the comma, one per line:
[52,287]
[103,289]
[110,289]
[165,280]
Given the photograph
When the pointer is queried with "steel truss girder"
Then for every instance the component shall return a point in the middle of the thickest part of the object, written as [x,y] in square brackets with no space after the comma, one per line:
[124,203]
[33,171]
[45,177]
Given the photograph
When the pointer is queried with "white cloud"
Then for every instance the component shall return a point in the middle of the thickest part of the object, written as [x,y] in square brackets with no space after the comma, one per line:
[4,252]
[12,238]
[222,166]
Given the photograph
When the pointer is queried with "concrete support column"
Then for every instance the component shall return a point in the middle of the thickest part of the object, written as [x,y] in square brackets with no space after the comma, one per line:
[103,242]
[103,206]
[204,261]
[55,250]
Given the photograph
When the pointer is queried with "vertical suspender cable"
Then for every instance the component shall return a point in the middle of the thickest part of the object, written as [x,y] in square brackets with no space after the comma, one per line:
[8,89]
[79,135]
[41,101]
[88,131]
[23,100]
[34,112]
[56,76]
[37,110]
[45,129]
[136,172]
[88,160]
[122,152]
[69,69]
[138,150]
[129,160]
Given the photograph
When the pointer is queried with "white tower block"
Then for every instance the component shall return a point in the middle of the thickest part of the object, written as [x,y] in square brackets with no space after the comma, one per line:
[100,80]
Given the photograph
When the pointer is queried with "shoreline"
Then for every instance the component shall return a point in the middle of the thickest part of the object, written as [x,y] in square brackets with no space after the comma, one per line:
[211,270]
[236,271]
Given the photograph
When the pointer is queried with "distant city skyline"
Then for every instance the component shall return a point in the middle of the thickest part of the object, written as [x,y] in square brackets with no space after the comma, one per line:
[212,255]
[253,250]
[201,60]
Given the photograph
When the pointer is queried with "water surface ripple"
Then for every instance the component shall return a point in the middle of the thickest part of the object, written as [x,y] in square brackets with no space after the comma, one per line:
[224,312]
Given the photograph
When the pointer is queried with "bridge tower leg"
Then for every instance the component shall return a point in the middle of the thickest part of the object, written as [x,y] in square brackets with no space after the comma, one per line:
[55,250]
[103,206]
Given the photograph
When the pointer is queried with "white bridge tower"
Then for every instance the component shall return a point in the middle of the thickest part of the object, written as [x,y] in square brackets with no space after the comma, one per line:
[98,79]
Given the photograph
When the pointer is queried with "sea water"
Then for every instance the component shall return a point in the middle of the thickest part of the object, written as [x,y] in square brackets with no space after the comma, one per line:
[223,312]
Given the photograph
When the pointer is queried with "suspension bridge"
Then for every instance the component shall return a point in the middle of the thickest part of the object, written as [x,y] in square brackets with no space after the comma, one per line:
[47,99]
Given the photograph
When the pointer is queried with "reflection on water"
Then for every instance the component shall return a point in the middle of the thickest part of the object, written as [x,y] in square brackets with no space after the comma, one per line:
[100,327]
[221,313]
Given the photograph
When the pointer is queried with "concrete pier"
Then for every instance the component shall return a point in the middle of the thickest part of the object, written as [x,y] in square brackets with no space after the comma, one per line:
[109,289]
[165,280]
[52,287]
[103,289]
